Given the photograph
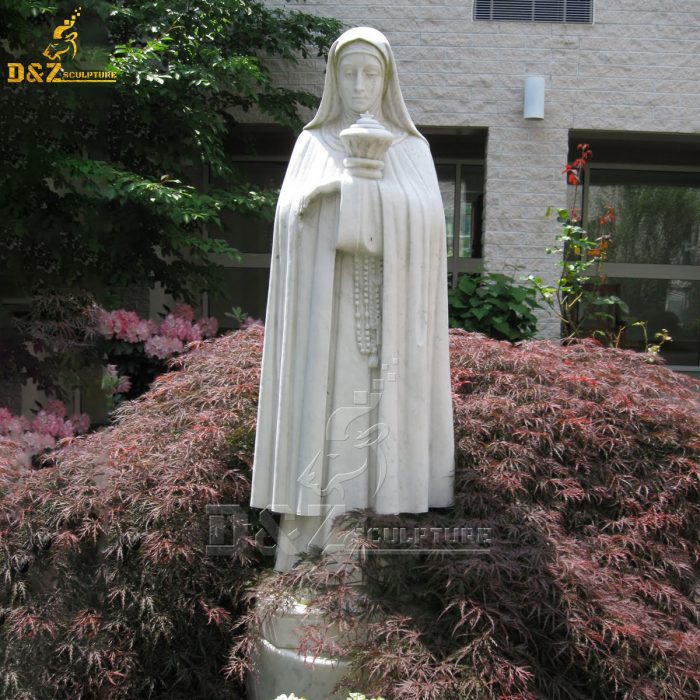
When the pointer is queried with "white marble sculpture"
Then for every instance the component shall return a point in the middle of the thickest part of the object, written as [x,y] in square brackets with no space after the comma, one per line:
[355,403]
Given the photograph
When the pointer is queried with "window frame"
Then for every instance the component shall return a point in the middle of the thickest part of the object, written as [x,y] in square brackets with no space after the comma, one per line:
[456,265]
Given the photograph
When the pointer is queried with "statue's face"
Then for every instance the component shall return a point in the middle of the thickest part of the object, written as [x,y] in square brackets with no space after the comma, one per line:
[360,80]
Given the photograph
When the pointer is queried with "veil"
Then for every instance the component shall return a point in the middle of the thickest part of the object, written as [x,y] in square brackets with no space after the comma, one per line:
[393,106]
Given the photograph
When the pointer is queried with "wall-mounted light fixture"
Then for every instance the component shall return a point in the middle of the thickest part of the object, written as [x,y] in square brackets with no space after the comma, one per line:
[533,97]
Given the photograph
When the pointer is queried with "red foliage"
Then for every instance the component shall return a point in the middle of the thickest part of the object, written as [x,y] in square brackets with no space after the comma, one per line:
[108,590]
[585,463]
[574,170]
[583,460]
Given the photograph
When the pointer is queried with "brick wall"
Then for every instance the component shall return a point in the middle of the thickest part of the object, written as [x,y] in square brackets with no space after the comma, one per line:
[637,68]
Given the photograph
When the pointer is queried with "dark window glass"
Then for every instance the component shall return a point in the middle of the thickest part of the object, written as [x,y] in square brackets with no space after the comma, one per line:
[245,288]
[673,305]
[465,220]
[657,215]
[246,234]
[446,179]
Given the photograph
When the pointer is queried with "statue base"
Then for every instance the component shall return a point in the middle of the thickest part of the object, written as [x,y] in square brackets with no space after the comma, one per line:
[280,669]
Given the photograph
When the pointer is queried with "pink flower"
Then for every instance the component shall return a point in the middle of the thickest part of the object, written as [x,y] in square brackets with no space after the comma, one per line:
[113,382]
[163,346]
[55,407]
[184,311]
[195,333]
[250,321]
[49,424]
[5,420]
[138,331]
[124,385]
[105,324]
[176,327]
[37,442]
[80,422]
[126,325]
[208,326]
[10,424]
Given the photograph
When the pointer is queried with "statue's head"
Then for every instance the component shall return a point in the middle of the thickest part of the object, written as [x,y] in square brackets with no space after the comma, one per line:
[361,68]
[361,77]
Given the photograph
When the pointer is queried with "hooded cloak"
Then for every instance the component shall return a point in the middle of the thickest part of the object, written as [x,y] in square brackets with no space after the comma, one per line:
[355,405]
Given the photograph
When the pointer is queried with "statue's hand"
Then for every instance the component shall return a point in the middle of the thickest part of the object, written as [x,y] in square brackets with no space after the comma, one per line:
[330,186]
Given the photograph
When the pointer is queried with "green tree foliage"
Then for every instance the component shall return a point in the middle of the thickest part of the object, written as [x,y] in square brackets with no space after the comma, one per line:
[102,185]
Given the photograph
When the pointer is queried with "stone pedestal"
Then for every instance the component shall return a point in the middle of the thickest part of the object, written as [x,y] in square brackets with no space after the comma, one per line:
[280,669]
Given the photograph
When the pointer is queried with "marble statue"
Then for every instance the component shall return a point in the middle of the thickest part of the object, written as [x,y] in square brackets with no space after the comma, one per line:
[355,405]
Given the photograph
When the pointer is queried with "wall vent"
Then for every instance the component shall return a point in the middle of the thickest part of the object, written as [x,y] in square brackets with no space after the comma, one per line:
[534,10]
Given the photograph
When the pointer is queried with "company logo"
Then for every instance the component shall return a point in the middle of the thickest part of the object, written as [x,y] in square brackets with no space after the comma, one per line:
[63,46]
[230,532]
[64,37]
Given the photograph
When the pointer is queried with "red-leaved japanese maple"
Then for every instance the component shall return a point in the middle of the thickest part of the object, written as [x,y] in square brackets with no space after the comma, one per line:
[584,461]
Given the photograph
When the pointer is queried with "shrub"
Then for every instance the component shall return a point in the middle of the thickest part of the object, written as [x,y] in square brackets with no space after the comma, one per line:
[27,439]
[73,340]
[351,696]
[583,461]
[137,349]
[107,589]
[492,303]
[580,295]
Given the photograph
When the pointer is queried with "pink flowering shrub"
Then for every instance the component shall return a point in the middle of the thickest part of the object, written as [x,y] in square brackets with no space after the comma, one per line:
[163,346]
[113,383]
[178,324]
[124,325]
[28,438]
[249,322]
[72,338]
[136,349]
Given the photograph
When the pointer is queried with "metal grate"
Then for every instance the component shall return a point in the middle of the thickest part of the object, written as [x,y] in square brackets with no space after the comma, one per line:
[534,10]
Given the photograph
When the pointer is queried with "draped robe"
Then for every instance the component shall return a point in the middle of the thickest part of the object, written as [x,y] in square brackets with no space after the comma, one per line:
[332,429]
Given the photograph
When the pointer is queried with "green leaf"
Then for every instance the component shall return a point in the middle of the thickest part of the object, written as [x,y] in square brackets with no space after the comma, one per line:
[183,70]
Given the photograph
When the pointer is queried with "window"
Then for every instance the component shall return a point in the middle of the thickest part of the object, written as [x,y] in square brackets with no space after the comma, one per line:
[462,190]
[459,162]
[245,281]
[654,255]
[535,10]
